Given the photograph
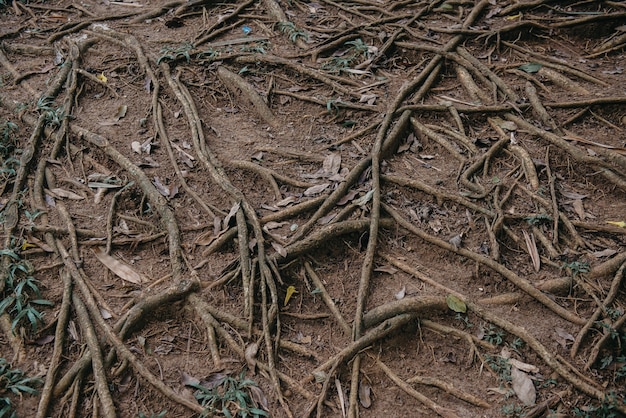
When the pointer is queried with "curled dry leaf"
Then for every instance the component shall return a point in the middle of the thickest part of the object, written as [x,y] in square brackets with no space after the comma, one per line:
[58,192]
[163,189]
[188,380]
[121,269]
[604,253]
[250,355]
[317,189]
[274,225]
[279,249]
[365,395]
[287,201]
[231,214]
[258,397]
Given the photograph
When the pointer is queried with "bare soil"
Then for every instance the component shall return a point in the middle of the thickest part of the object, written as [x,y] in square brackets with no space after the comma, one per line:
[366,208]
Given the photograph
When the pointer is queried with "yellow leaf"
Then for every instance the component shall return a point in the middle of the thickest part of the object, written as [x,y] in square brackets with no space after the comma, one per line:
[456,304]
[290,291]
[517,16]
[102,77]
[621,224]
[26,245]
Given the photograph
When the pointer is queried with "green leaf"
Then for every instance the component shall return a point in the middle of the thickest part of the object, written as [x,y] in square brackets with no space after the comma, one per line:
[531,67]
[456,304]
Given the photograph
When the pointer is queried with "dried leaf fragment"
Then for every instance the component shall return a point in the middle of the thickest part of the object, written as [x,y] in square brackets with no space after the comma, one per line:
[121,269]
[250,355]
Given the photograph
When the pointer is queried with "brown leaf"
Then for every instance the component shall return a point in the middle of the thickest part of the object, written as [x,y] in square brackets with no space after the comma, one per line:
[258,397]
[45,339]
[188,380]
[326,219]
[579,209]
[274,225]
[599,254]
[287,201]
[231,214]
[163,189]
[348,197]
[205,238]
[121,269]
[250,355]
[279,249]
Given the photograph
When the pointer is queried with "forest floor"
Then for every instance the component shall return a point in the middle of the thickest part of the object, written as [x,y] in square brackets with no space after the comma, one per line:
[335,208]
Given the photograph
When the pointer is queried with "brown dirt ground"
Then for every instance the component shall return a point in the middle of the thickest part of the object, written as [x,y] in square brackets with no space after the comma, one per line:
[336,69]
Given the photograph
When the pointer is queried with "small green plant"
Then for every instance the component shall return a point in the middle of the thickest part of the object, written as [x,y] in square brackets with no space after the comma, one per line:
[14,381]
[19,288]
[517,344]
[292,31]
[259,47]
[620,373]
[230,397]
[357,50]
[500,366]
[464,319]
[538,219]
[549,383]
[494,335]
[607,409]
[512,410]
[577,267]
[8,150]
[52,116]
[172,54]
[210,54]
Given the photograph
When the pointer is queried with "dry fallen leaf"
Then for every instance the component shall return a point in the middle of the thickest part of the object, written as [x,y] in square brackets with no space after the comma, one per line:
[250,355]
[317,189]
[579,209]
[523,386]
[231,215]
[58,192]
[121,269]
[365,392]
[279,249]
[348,197]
